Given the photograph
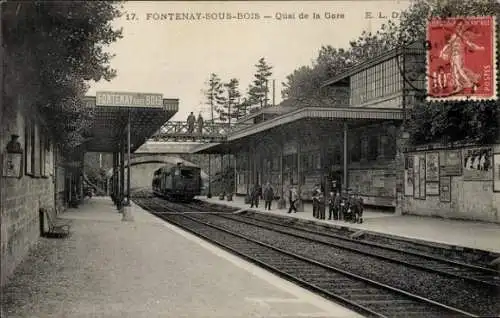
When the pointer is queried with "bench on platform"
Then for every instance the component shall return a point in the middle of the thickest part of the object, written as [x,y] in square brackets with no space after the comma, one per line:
[57,227]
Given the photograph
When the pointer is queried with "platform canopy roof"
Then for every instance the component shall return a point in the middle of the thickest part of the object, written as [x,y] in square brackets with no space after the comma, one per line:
[147,113]
[237,138]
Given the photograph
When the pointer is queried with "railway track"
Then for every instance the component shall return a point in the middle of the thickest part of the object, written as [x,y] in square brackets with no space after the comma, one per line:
[456,289]
[366,296]
[468,272]
[469,256]
[160,205]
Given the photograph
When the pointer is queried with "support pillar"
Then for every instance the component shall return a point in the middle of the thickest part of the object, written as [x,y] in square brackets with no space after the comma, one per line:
[222,183]
[128,160]
[248,175]
[345,181]
[235,160]
[127,208]
[122,176]
[114,193]
[209,194]
[282,201]
[300,205]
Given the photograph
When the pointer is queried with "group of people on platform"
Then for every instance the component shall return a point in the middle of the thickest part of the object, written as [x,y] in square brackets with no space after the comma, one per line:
[191,121]
[267,195]
[347,206]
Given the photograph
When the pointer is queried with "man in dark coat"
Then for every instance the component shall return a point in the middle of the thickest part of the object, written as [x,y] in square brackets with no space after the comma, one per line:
[268,196]
[200,124]
[191,121]
[256,194]
[315,200]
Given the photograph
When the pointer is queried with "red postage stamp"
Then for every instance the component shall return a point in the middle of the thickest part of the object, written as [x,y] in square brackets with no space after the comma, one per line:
[461,59]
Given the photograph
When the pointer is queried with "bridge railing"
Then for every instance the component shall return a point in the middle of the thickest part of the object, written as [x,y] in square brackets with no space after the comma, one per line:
[180,130]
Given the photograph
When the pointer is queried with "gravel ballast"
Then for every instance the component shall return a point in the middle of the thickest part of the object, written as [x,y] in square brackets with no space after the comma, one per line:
[453,292]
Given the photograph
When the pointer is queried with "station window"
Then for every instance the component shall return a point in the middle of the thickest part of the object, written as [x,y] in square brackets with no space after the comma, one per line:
[373,148]
[44,145]
[355,149]
[35,150]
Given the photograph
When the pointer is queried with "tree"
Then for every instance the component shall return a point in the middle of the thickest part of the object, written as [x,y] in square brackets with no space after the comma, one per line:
[215,95]
[233,107]
[303,86]
[258,90]
[51,50]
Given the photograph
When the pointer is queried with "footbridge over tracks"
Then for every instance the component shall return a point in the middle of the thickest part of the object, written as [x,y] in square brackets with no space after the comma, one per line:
[176,142]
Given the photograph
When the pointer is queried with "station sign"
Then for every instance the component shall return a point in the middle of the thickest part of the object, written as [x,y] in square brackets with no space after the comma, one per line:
[129,99]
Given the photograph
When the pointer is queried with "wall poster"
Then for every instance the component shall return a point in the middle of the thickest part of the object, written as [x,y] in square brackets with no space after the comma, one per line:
[432,167]
[432,188]
[445,189]
[409,176]
[418,164]
[496,172]
[422,176]
[450,162]
[478,164]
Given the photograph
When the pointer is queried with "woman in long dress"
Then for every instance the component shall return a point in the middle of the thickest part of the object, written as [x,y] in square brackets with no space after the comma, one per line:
[454,52]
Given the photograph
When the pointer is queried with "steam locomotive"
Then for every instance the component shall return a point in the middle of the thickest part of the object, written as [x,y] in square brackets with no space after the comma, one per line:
[178,183]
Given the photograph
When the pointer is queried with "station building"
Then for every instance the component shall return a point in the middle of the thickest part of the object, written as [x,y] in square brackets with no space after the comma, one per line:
[352,143]
[357,142]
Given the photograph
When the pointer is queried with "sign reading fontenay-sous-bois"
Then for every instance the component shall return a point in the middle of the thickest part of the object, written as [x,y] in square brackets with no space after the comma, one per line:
[128,99]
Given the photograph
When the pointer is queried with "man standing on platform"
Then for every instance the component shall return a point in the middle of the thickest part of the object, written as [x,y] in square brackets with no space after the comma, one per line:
[321,205]
[190,121]
[293,197]
[256,194]
[200,124]
[268,196]
[315,202]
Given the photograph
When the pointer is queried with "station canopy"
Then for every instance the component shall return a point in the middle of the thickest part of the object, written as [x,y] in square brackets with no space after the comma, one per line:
[112,110]
[330,117]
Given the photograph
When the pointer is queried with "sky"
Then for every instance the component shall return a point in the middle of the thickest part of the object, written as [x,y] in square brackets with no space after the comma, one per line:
[171,47]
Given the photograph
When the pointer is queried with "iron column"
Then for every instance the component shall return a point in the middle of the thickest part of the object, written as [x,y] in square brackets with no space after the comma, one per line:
[128,159]
[345,157]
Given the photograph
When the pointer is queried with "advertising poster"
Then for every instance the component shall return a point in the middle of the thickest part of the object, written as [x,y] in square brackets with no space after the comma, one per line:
[416,177]
[496,172]
[478,164]
[422,176]
[450,162]
[432,188]
[445,189]
[408,175]
[461,59]
[432,167]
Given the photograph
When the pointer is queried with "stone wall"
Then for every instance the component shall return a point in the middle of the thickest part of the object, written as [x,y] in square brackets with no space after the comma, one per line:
[464,186]
[21,199]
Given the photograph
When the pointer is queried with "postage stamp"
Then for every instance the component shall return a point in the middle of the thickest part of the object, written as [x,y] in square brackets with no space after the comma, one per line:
[461,59]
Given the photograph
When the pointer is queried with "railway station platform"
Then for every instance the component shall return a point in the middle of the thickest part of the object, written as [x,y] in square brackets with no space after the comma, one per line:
[146,268]
[431,230]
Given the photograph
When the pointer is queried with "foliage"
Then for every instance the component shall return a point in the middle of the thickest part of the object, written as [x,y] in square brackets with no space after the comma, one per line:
[474,121]
[259,89]
[51,50]
[215,95]
[233,108]
[303,85]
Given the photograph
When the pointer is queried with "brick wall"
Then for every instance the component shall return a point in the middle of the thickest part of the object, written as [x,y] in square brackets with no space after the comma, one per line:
[471,194]
[21,199]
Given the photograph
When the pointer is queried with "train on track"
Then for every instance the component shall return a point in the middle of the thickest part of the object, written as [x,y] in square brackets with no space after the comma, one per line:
[178,183]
